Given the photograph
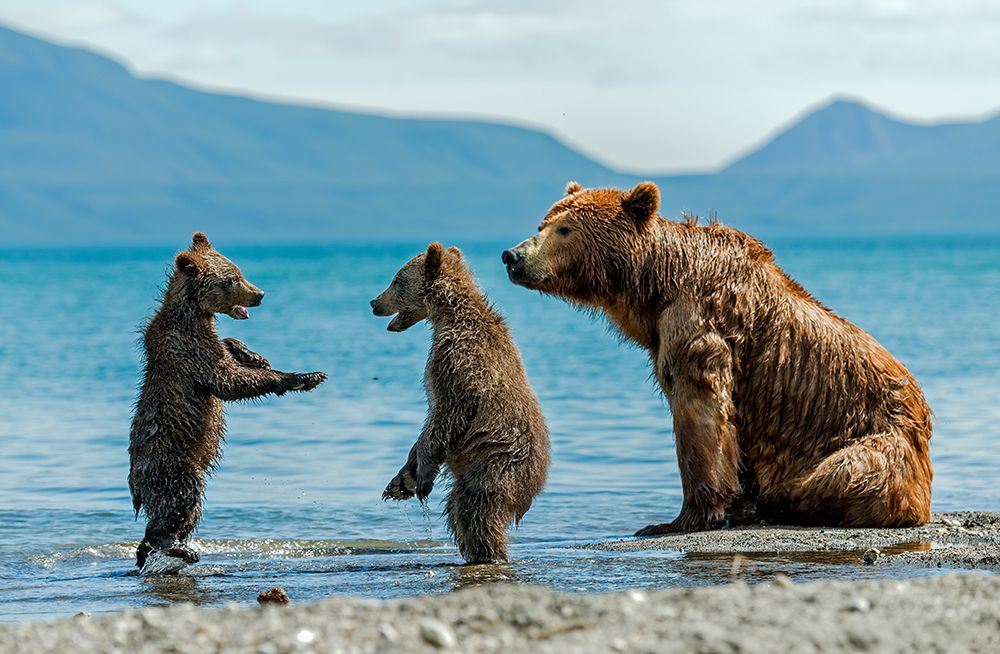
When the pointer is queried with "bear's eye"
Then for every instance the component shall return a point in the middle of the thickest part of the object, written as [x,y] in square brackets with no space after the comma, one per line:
[564,231]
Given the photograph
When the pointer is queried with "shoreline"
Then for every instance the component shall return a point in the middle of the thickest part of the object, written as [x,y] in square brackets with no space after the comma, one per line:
[951,610]
[954,539]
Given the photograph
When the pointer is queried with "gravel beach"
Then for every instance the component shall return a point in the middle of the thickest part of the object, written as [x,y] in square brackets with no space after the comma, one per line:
[945,612]
[955,612]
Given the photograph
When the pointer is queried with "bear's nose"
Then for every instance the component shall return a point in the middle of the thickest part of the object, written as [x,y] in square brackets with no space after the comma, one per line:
[372,303]
[511,258]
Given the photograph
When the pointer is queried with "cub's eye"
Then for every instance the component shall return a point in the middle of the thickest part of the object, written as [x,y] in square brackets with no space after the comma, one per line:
[564,231]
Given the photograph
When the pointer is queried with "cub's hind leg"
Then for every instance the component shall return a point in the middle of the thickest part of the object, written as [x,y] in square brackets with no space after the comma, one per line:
[478,517]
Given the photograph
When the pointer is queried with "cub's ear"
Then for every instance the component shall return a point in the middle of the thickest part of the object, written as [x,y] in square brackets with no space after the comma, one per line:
[199,241]
[455,252]
[432,265]
[189,264]
[573,187]
[642,202]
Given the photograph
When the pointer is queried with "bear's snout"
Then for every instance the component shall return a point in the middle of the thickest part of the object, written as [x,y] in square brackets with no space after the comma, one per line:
[512,259]
[379,310]
[258,297]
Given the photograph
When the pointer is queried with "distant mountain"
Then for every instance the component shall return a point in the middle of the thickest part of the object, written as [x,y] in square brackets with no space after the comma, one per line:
[848,135]
[89,153]
[845,168]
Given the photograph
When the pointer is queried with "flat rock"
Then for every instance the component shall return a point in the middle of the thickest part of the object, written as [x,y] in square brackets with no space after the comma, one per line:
[963,539]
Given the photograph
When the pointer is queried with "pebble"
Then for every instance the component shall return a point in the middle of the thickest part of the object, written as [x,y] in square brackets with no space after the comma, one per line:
[636,596]
[436,633]
[388,632]
[859,605]
[276,595]
[870,556]
[782,581]
[305,636]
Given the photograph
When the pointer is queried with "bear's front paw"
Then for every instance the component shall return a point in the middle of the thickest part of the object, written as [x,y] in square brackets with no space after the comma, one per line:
[682,525]
[306,381]
[425,481]
[244,355]
[402,487]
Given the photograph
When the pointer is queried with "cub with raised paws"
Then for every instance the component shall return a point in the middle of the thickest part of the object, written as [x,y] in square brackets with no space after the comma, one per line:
[177,427]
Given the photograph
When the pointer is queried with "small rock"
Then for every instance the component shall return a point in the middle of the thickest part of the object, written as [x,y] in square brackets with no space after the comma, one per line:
[267,648]
[82,615]
[429,573]
[870,556]
[859,605]
[782,580]
[276,595]
[618,645]
[436,633]
[636,596]
[305,636]
[388,632]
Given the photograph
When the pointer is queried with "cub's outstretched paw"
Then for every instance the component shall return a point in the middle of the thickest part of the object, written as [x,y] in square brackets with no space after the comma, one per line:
[402,487]
[244,355]
[305,381]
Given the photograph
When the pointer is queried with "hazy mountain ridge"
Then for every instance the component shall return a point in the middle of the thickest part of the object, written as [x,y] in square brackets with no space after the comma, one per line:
[91,154]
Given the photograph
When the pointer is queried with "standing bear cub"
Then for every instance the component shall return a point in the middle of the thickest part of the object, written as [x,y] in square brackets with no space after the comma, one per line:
[483,419]
[177,428]
[777,402]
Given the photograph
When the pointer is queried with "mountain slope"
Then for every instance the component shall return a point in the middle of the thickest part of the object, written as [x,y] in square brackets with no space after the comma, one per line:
[84,142]
[845,135]
[91,154]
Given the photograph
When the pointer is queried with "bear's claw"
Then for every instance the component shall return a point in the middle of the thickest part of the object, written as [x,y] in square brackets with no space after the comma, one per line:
[402,487]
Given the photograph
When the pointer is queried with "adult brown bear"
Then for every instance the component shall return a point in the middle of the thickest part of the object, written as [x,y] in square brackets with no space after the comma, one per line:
[778,403]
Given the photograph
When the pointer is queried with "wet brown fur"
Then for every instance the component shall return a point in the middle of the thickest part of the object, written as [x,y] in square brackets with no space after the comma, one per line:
[177,426]
[776,400]
[484,422]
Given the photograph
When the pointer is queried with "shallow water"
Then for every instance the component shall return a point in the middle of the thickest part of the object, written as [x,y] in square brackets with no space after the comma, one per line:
[296,499]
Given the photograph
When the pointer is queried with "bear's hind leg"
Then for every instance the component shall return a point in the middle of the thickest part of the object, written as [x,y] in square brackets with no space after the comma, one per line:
[478,520]
[172,501]
[877,481]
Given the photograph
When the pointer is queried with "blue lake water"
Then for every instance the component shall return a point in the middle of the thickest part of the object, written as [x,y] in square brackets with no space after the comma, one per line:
[296,500]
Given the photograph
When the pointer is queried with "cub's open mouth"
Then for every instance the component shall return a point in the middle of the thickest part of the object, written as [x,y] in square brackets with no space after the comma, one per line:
[396,324]
[238,312]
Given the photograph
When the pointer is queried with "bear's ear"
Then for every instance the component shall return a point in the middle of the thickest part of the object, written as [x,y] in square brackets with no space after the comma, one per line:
[455,252]
[642,202]
[199,241]
[189,264]
[432,265]
[573,187]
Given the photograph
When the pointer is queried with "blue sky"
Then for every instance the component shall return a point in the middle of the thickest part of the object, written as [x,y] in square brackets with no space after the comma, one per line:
[647,86]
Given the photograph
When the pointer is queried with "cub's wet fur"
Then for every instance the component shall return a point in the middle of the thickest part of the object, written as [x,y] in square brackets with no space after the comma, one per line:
[177,426]
[484,422]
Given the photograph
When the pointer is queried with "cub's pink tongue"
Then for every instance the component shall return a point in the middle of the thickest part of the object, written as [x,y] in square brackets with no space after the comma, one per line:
[242,312]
